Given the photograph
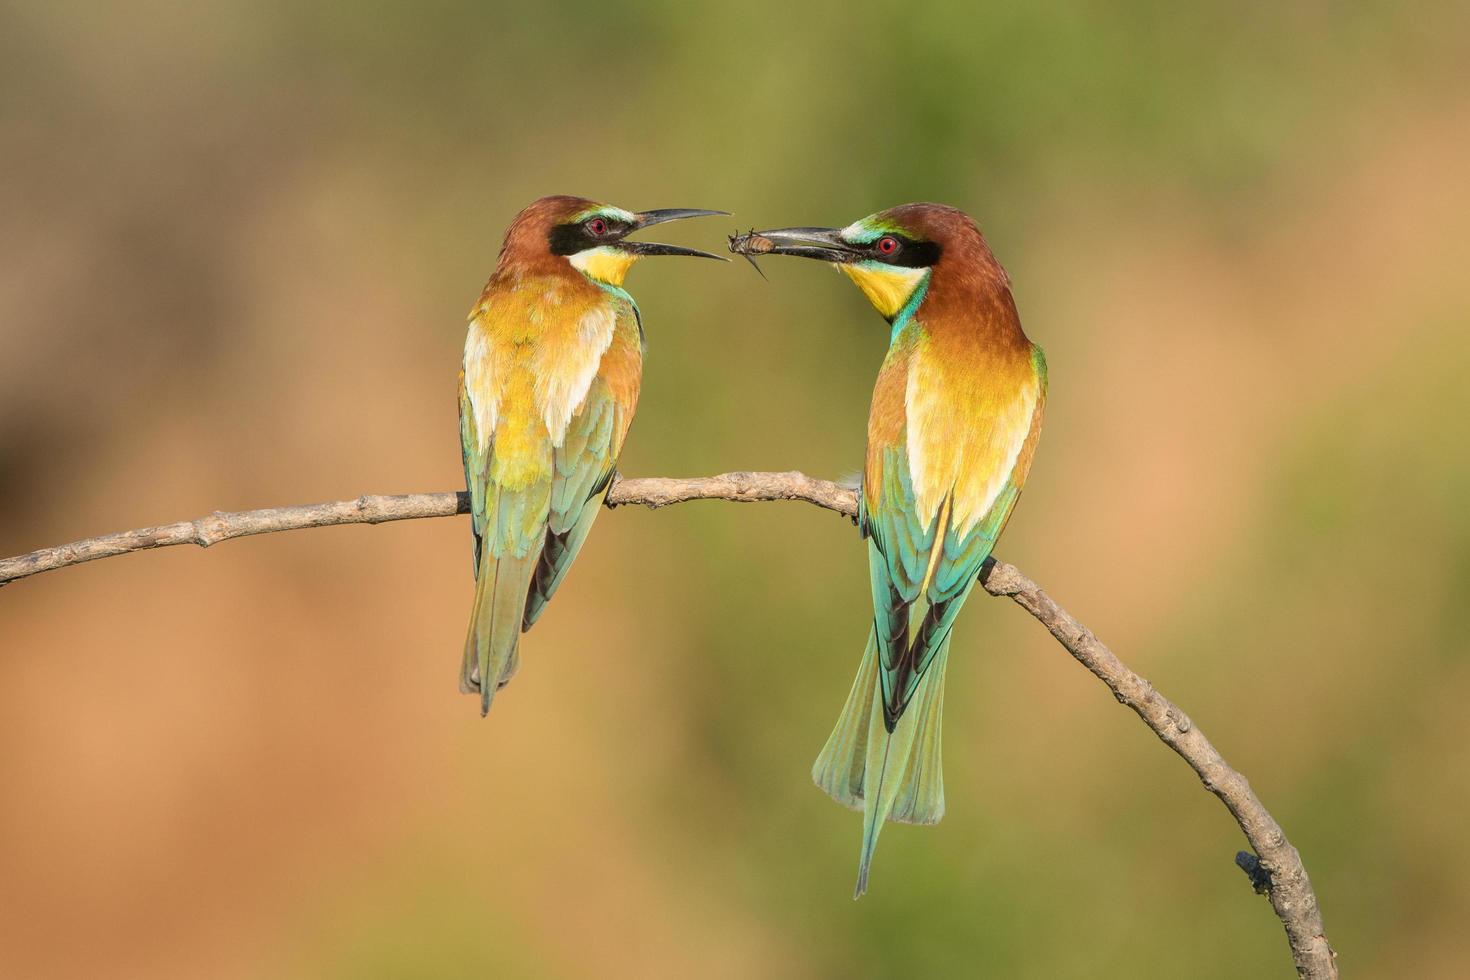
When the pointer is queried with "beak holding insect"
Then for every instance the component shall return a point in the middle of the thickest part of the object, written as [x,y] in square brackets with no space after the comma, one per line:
[748,246]
[822,244]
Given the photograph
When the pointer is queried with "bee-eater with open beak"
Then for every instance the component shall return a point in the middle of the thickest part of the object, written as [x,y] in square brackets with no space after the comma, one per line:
[955,417]
[552,366]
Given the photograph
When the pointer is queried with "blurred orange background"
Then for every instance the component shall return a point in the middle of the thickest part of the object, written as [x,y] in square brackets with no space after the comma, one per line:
[239,244]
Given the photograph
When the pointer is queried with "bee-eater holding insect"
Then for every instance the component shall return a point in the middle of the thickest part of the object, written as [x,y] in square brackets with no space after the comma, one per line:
[552,365]
[955,417]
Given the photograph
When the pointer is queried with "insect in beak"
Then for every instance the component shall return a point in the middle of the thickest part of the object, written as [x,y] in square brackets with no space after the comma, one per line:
[749,245]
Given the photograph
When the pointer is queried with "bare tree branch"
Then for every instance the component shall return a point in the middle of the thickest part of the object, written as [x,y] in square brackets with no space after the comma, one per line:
[380,508]
[1275,867]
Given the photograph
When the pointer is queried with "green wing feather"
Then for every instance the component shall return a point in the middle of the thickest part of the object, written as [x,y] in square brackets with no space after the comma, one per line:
[900,549]
[955,575]
[584,469]
[474,466]
[898,552]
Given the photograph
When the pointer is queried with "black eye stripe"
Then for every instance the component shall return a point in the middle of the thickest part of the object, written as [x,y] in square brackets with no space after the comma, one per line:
[567,239]
[572,238]
[910,254]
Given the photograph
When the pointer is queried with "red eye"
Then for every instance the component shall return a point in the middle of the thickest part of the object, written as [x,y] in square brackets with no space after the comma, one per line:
[597,226]
[888,244]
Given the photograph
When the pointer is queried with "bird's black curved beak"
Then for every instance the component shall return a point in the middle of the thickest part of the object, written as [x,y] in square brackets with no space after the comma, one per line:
[647,218]
[658,217]
[823,244]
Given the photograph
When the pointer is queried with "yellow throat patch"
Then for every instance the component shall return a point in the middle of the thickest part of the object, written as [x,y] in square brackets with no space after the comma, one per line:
[887,287]
[604,264]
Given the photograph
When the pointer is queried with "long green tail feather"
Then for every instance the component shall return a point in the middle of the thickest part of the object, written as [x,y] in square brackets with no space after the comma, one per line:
[839,768]
[920,797]
[492,648]
[896,776]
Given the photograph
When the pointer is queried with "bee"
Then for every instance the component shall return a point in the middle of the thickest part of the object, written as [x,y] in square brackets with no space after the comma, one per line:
[749,245]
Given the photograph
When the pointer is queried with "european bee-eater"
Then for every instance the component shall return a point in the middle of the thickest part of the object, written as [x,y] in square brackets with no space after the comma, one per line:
[552,365]
[955,417]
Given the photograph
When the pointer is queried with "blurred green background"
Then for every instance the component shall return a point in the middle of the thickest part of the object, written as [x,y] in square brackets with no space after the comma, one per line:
[239,241]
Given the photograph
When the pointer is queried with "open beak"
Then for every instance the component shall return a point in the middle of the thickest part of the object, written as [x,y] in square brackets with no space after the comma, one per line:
[659,217]
[822,244]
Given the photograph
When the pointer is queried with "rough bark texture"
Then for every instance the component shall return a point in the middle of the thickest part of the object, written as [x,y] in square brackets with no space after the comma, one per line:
[1275,867]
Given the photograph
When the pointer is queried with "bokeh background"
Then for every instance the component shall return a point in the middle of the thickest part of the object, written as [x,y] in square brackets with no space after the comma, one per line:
[237,244]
